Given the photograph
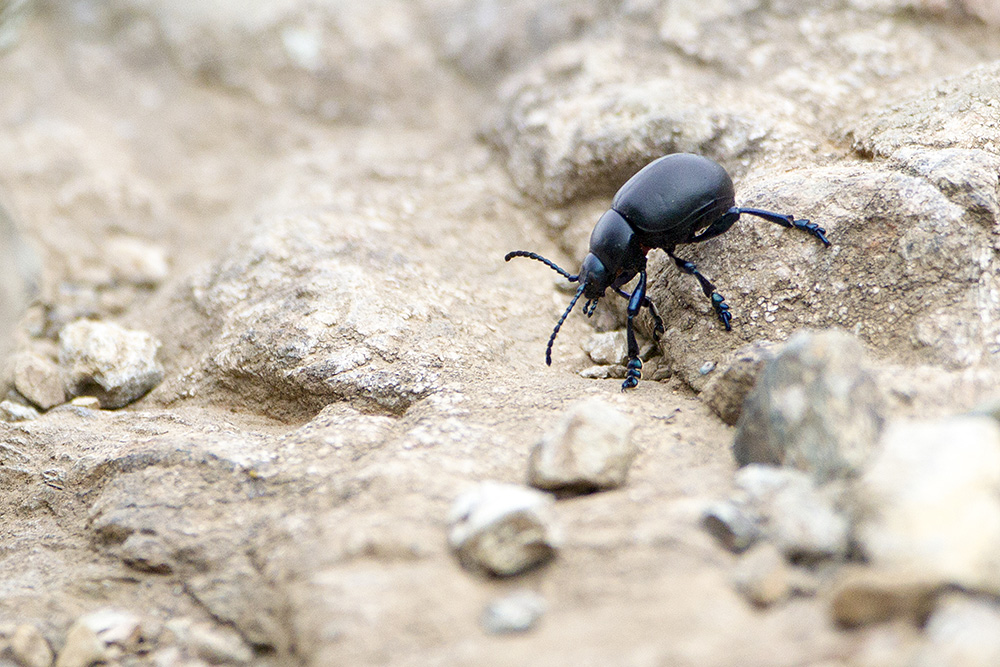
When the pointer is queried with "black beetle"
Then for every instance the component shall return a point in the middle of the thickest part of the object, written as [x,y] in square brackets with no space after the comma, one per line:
[676,199]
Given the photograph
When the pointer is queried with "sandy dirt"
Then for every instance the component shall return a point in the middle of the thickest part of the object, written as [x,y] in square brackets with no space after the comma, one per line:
[346,351]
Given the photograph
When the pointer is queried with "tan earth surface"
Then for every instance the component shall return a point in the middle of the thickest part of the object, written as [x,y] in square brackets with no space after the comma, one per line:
[308,202]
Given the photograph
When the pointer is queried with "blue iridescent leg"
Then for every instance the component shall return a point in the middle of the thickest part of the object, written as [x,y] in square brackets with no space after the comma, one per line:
[718,301]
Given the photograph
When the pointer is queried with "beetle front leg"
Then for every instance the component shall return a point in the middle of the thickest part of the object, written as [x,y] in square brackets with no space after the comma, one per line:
[718,301]
[633,369]
[658,328]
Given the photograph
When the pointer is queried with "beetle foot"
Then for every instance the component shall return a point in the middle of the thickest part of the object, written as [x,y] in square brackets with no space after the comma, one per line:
[722,310]
[632,374]
[813,229]
[658,331]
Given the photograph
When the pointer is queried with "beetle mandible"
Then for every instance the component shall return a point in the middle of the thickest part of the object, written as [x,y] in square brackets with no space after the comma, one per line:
[676,199]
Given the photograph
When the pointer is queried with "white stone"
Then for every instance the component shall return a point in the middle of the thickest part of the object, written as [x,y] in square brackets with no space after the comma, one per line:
[801,519]
[516,612]
[117,365]
[502,529]
[590,448]
[930,502]
[607,349]
[15,412]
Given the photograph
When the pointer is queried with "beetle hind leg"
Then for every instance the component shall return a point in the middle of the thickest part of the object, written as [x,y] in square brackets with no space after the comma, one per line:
[718,301]
[790,222]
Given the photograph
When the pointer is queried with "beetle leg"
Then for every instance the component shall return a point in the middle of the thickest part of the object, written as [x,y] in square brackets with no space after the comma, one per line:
[658,328]
[633,370]
[718,301]
[790,222]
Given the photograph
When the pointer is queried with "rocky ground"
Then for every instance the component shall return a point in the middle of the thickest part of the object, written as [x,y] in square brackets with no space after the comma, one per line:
[274,397]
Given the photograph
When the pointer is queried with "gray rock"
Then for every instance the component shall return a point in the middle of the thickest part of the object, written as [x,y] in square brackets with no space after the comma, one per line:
[147,553]
[962,632]
[596,372]
[959,112]
[116,365]
[29,647]
[590,448]
[728,388]
[863,596]
[39,380]
[82,647]
[816,407]
[803,521]
[607,348]
[571,128]
[927,504]
[935,287]
[513,613]
[16,412]
[502,529]
[299,334]
[967,177]
[732,525]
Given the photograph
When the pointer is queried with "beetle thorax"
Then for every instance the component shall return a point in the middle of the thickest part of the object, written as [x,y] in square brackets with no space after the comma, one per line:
[614,250]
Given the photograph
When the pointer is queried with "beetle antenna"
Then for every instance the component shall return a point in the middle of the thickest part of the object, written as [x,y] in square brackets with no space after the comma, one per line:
[549,263]
[555,332]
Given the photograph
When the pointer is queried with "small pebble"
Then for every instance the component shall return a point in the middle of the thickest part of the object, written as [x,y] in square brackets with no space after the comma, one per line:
[513,613]
[815,407]
[727,389]
[213,643]
[963,631]
[87,402]
[590,448]
[731,525]
[762,576]
[147,553]
[116,365]
[595,373]
[39,380]
[218,644]
[502,529]
[607,349]
[136,261]
[865,595]
[801,519]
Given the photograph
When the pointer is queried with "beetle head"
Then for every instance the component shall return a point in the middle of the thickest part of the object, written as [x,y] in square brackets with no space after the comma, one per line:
[594,277]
